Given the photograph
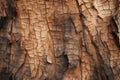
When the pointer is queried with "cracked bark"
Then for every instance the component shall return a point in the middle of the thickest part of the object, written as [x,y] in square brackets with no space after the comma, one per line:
[59,40]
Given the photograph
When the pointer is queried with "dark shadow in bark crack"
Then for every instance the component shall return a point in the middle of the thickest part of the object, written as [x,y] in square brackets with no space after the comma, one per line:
[4,75]
[12,12]
[62,66]
[3,22]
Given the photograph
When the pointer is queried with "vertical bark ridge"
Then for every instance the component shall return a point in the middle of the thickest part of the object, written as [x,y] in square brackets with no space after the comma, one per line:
[59,40]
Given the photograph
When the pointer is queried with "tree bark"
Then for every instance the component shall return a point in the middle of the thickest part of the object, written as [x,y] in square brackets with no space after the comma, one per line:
[59,40]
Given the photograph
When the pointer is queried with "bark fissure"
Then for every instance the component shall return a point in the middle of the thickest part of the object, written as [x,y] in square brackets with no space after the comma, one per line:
[59,40]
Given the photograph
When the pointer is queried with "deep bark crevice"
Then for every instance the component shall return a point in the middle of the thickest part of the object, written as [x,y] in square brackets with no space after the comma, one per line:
[59,40]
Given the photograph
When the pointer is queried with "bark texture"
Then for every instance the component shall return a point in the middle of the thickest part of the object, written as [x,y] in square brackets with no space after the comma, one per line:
[59,40]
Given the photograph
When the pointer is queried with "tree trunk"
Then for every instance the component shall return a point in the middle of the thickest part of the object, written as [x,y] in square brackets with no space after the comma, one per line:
[59,40]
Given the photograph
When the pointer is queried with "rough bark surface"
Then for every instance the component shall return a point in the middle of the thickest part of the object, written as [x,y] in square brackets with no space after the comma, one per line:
[59,40]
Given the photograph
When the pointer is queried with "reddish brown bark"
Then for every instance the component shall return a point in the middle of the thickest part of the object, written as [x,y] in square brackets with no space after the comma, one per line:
[59,40]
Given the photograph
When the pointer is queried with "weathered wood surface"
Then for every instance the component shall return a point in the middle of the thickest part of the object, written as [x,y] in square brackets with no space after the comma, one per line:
[59,40]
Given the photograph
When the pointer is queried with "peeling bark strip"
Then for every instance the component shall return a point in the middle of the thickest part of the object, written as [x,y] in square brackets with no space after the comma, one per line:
[59,40]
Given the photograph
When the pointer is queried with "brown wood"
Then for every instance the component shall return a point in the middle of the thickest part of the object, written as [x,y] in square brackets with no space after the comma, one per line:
[59,40]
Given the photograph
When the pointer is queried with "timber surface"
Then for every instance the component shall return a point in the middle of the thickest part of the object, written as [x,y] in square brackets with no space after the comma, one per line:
[59,40]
